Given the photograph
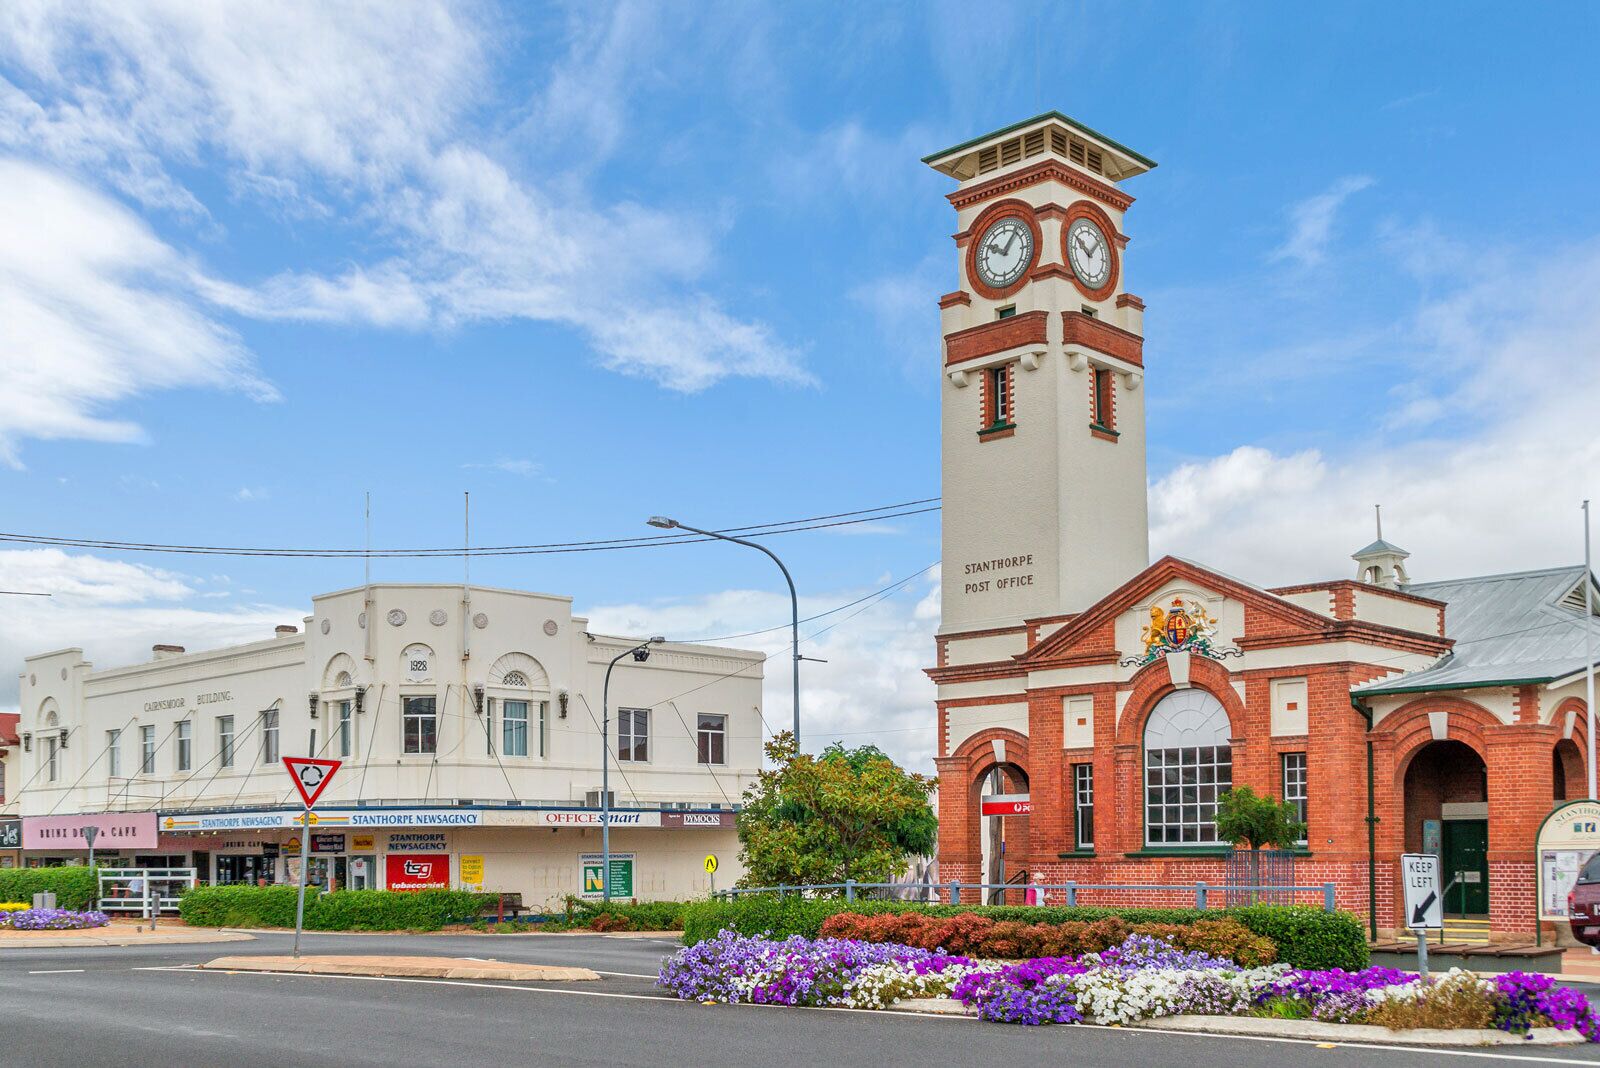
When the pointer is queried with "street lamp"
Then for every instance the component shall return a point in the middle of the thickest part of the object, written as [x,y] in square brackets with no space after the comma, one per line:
[640,653]
[794,600]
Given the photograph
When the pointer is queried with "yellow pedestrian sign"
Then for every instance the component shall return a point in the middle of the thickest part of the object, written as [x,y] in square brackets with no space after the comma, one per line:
[711,864]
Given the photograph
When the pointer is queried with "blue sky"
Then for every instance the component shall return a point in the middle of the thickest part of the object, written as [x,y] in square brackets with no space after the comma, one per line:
[597,262]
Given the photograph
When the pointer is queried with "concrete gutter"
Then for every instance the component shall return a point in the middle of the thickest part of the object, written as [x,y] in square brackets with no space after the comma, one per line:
[409,967]
[160,938]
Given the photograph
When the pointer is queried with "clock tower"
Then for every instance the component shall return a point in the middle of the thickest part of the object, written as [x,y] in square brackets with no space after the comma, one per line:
[1043,435]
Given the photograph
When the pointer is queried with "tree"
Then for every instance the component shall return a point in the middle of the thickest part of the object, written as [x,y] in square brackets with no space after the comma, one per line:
[1257,820]
[842,814]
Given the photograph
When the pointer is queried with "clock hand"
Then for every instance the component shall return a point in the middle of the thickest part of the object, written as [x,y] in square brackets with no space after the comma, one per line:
[1007,250]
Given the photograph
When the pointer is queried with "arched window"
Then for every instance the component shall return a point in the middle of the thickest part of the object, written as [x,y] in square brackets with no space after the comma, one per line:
[515,679]
[1188,764]
[343,680]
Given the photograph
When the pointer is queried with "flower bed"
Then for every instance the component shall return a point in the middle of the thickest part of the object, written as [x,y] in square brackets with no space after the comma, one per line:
[29,919]
[1140,978]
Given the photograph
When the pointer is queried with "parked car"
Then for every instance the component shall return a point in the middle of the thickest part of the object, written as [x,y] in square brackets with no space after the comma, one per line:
[1583,903]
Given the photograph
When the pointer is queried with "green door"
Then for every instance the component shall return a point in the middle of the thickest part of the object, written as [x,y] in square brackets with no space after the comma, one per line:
[1466,860]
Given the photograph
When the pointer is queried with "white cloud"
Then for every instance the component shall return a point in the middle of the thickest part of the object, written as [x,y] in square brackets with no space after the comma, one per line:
[1495,485]
[113,610]
[94,310]
[871,691]
[1311,221]
[521,468]
[246,494]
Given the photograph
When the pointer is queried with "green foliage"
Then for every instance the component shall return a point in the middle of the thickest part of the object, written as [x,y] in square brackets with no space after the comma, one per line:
[1304,937]
[843,814]
[342,910]
[1308,937]
[1257,820]
[625,916]
[74,887]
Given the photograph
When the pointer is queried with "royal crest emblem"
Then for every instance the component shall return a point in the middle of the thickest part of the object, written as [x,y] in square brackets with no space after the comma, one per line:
[1180,626]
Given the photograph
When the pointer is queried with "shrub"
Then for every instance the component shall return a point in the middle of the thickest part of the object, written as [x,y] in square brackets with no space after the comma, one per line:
[74,887]
[610,921]
[627,916]
[1460,999]
[14,906]
[342,910]
[1226,938]
[1308,937]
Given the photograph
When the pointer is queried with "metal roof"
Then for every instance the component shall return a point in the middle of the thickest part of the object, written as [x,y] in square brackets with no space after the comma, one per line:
[1508,629]
[1067,119]
[1379,546]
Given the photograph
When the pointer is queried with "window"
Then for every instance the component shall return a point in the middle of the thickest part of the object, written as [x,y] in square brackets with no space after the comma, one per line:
[113,754]
[1000,383]
[633,734]
[1103,398]
[1188,761]
[147,749]
[420,719]
[1089,310]
[1005,313]
[52,765]
[269,736]
[514,728]
[713,739]
[185,745]
[225,740]
[515,680]
[1294,784]
[1083,804]
[346,727]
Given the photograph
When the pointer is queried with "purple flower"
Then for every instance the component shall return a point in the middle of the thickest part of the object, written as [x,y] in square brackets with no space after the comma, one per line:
[52,920]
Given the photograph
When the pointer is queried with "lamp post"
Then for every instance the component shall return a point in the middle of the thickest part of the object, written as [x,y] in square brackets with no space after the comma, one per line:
[641,653]
[794,600]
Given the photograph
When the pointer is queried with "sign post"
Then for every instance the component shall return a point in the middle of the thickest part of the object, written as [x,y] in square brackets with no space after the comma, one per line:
[311,776]
[1424,902]
[90,832]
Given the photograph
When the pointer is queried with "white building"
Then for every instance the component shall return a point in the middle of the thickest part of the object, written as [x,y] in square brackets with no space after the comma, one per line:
[468,721]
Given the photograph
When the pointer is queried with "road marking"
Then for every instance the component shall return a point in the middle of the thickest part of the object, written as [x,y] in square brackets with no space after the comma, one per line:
[56,971]
[625,975]
[1518,1058]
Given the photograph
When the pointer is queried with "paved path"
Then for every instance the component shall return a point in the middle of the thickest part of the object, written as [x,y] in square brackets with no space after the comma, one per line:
[103,1005]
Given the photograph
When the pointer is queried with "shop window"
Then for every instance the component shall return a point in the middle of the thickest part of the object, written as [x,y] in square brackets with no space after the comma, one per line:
[1188,761]
[147,750]
[113,754]
[270,750]
[346,729]
[514,728]
[420,720]
[225,741]
[713,739]
[1294,785]
[633,734]
[185,745]
[1083,805]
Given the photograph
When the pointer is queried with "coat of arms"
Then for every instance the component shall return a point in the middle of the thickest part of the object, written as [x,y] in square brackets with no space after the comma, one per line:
[1179,626]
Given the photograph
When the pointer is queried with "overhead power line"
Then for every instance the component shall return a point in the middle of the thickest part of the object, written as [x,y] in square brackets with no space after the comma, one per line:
[789,526]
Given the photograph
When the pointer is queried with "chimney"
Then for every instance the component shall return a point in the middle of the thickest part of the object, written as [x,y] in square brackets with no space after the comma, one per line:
[165,652]
[283,630]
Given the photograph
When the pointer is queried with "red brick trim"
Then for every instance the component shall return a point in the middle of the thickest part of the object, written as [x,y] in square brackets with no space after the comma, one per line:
[981,672]
[986,632]
[1128,300]
[1084,209]
[1051,270]
[978,751]
[1004,209]
[1571,704]
[986,339]
[1080,329]
[1154,681]
[950,300]
[989,426]
[1045,171]
[1104,435]
[1364,587]
[997,435]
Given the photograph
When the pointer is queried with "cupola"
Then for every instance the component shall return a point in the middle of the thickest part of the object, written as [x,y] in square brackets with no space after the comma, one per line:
[1381,563]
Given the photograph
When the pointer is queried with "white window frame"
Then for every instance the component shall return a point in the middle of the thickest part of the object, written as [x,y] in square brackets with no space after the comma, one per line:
[636,741]
[185,744]
[513,726]
[347,729]
[271,742]
[114,754]
[406,716]
[147,749]
[1294,777]
[717,734]
[226,735]
[1188,766]
[1082,805]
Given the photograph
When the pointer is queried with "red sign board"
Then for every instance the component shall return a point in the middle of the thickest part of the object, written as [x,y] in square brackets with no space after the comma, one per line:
[1006,805]
[311,776]
[418,871]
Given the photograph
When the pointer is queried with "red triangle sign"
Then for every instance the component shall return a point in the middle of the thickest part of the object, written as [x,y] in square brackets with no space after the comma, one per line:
[311,776]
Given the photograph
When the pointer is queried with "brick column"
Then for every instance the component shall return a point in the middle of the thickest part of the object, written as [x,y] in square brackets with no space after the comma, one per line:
[1050,825]
[1520,793]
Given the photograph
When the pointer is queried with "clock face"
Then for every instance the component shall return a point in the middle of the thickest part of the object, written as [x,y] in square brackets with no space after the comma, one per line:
[1004,252]
[1089,253]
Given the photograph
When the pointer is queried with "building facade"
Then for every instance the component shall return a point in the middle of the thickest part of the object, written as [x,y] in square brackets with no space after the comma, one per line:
[468,723]
[1106,702]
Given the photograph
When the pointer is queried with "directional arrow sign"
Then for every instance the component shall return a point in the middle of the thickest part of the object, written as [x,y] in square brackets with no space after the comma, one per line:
[311,776]
[1419,873]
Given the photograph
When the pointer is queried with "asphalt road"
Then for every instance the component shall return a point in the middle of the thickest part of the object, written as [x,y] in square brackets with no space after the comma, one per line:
[147,1005]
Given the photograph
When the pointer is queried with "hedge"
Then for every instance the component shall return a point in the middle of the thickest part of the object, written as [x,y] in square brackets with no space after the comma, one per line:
[75,887]
[1305,937]
[623,916]
[342,910]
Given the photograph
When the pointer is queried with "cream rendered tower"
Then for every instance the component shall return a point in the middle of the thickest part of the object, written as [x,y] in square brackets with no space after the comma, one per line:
[1043,414]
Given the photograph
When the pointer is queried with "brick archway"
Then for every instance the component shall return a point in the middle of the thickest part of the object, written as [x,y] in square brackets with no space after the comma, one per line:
[1154,681]
[962,775]
[1407,730]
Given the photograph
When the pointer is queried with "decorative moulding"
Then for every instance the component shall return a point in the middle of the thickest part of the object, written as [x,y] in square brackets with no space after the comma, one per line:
[1439,725]
[1134,380]
[1178,665]
[958,379]
[438,617]
[397,617]
[480,621]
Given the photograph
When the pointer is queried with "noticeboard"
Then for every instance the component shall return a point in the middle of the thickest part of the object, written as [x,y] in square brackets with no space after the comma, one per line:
[590,865]
[1567,838]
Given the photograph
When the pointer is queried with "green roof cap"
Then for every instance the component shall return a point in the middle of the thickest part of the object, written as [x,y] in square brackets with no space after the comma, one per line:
[1074,123]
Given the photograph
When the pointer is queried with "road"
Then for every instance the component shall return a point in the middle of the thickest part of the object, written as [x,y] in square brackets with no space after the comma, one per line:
[147,1005]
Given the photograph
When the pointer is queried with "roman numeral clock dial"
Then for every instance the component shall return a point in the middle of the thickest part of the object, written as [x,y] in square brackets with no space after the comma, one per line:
[1005,253]
[1089,254]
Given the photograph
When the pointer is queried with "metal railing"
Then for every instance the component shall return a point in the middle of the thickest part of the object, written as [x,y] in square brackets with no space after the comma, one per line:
[1032,893]
[157,889]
